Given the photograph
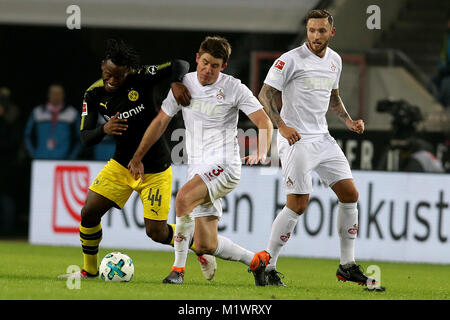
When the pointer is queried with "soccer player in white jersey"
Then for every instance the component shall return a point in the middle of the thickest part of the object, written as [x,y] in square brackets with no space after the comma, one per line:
[304,84]
[214,164]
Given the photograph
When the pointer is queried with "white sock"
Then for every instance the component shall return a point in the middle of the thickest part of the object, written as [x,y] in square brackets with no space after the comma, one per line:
[228,250]
[347,224]
[282,228]
[184,231]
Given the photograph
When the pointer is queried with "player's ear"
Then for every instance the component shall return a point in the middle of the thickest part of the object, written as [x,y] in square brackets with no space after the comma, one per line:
[223,66]
[127,72]
[197,57]
[333,31]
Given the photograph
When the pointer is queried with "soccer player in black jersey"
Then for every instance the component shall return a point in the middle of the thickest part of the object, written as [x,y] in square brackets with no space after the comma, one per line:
[123,96]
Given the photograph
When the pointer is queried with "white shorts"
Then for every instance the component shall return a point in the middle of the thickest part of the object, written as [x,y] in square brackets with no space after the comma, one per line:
[299,160]
[220,180]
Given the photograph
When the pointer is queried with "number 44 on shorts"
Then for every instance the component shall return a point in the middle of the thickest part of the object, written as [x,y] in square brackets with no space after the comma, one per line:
[154,197]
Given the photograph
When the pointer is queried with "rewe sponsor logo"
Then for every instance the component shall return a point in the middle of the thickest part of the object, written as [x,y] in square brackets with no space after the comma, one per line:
[319,83]
[207,108]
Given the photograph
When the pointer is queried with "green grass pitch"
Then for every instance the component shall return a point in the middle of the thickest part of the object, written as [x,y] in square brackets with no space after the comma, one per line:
[30,272]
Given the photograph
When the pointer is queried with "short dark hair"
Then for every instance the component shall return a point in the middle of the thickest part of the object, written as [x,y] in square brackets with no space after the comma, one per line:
[121,54]
[320,14]
[216,46]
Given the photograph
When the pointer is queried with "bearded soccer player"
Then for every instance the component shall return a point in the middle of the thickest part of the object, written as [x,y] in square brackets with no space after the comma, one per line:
[304,84]
[214,167]
[123,96]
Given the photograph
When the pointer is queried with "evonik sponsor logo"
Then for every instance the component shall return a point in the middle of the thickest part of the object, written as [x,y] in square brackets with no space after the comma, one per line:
[128,114]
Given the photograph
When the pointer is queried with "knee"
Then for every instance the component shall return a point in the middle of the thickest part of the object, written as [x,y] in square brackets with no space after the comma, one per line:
[205,248]
[298,205]
[156,234]
[351,196]
[89,218]
[299,208]
[84,213]
[182,203]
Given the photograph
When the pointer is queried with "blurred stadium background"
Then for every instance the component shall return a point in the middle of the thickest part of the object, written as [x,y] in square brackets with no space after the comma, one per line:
[400,62]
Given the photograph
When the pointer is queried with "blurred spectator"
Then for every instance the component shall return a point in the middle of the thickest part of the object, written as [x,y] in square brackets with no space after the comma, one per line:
[442,80]
[9,112]
[53,129]
[9,142]
[419,157]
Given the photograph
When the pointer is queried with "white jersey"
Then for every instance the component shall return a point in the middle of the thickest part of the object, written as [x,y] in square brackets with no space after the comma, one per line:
[305,81]
[212,116]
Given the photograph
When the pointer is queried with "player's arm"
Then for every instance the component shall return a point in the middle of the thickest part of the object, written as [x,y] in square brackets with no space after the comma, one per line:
[92,134]
[337,107]
[272,101]
[265,131]
[174,71]
[152,134]
[179,90]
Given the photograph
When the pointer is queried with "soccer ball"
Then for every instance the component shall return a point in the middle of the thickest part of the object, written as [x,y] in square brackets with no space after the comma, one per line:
[116,266]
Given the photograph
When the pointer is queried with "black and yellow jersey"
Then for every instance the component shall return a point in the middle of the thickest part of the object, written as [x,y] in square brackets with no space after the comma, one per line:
[134,101]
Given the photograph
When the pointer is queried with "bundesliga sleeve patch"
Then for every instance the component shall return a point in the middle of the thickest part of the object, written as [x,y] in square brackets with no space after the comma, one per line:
[279,65]
[85,112]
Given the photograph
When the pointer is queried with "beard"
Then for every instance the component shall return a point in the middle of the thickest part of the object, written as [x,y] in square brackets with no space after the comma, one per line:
[320,49]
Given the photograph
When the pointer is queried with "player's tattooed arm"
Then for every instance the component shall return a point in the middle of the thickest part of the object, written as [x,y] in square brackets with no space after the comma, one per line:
[337,106]
[272,101]
[270,98]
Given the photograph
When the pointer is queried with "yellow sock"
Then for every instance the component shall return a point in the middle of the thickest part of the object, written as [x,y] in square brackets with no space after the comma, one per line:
[90,263]
[90,239]
[172,241]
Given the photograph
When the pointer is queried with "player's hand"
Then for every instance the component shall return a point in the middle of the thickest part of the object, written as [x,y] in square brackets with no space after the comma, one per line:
[181,93]
[355,126]
[254,159]
[115,126]
[136,168]
[291,135]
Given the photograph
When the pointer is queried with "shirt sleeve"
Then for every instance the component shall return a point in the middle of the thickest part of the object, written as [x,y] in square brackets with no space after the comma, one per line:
[90,133]
[173,70]
[338,77]
[281,72]
[246,101]
[170,105]
[89,113]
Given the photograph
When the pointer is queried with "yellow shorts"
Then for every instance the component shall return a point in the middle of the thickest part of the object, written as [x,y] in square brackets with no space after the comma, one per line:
[116,183]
